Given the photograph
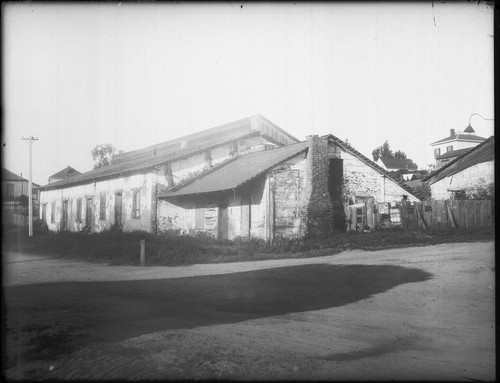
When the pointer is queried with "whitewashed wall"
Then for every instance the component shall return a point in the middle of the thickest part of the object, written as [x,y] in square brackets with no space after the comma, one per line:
[479,175]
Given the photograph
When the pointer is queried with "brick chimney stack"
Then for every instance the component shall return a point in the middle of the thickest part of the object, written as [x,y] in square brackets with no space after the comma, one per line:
[452,132]
[317,204]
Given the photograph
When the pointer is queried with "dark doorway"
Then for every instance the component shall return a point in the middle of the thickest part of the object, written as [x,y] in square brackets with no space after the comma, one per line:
[335,182]
[118,210]
[223,222]
[88,213]
[64,216]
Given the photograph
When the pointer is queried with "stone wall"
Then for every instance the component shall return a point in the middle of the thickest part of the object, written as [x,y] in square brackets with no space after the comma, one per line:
[317,208]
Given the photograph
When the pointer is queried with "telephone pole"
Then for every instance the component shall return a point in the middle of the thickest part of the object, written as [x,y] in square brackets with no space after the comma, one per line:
[30,187]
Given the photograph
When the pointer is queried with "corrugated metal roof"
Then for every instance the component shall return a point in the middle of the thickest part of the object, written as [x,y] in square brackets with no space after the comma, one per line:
[232,174]
[7,175]
[483,152]
[130,167]
[460,137]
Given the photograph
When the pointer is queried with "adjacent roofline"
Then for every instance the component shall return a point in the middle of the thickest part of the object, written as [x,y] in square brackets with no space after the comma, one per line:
[371,164]
[446,166]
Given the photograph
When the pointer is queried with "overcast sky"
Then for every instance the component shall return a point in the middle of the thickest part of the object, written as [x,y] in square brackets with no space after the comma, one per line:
[77,75]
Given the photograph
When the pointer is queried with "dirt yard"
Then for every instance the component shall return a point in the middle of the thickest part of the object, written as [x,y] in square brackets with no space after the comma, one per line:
[425,313]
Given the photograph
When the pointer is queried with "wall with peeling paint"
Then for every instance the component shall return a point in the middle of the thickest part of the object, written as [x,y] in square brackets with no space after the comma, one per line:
[363,181]
[90,193]
[470,180]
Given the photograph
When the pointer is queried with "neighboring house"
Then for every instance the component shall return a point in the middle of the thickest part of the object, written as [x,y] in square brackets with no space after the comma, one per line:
[395,164]
[14,210]
[299,189]
[63,174]
[13,185]
[449,148]
[468,175]
[245,179]
[123,193]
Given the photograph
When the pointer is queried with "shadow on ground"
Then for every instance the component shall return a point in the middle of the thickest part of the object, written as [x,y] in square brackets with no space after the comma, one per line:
[118,310]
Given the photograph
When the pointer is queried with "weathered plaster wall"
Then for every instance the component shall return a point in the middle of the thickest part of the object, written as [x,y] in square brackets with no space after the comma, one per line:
[364,181]
[125,185]
[472,178]
[289,179]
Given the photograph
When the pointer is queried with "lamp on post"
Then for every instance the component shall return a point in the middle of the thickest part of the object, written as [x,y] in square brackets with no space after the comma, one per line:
[469,127]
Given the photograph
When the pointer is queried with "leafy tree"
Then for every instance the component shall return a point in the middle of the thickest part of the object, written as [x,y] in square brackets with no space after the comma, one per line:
[383,151]
[103,154]
[400,154]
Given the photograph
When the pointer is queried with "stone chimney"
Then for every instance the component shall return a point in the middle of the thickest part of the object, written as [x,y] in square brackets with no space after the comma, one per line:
[452,132]
[317,212]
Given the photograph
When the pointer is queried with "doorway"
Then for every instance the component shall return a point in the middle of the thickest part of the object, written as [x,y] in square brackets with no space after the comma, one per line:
[223,222]
[88,214]
[118,210]
[64,217]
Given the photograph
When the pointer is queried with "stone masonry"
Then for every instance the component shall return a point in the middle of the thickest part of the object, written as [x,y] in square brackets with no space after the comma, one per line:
[317,205]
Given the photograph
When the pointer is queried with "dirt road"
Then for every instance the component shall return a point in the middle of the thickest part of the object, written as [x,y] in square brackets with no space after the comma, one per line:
[415,313]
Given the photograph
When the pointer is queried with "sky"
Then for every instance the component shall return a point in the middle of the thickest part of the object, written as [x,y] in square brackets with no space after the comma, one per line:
[76,75]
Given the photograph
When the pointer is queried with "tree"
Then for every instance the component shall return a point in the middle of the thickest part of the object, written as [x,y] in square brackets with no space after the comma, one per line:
[383,151]
[103,154]
[400,154]
[348,144]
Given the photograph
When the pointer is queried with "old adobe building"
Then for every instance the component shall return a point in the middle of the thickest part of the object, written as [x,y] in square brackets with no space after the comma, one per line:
[245,179]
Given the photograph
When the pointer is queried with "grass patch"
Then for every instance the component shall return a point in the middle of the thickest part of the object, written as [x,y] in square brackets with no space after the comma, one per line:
[173,249]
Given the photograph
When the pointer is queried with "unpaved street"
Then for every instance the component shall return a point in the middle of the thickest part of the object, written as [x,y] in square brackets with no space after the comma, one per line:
[415,313]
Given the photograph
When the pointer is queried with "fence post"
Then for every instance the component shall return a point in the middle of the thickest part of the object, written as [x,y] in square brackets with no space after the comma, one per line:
[143,253]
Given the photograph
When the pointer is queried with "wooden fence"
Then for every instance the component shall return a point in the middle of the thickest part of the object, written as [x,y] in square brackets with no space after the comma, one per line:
[430,214]
[444,213]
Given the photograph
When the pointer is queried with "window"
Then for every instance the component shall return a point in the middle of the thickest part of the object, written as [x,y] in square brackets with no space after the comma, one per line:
[102,207]
[53,212]
[136,204]
[449,148]
[79,210]
[10,190]
[437,153]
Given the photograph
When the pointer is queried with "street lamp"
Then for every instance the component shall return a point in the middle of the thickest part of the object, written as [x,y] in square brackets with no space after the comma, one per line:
[469,127]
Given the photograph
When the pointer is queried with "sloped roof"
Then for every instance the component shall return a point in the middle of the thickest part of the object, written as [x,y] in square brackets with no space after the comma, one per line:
[7,175]
[483,152]
[132,166]
[150,157]
[65,173]
[452,153]
[399,163]
[349,149]
[460,137]
[232,174]
[232,130]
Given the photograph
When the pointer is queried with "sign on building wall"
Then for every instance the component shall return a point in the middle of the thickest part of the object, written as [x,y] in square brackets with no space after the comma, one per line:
[210,218]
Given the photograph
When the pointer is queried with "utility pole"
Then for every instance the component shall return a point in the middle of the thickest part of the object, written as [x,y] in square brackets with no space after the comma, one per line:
[30,187]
